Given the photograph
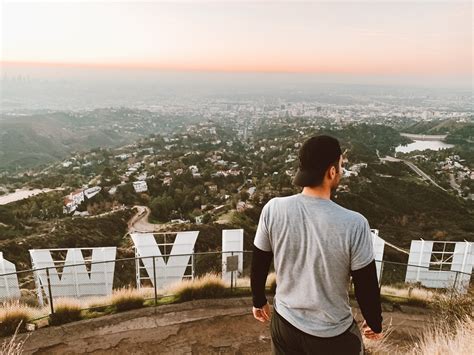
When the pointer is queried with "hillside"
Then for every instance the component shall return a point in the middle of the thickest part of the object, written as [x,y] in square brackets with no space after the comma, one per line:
[404,208]
[462,135]
[65,233]
[28,141]
[392,197]
[437,126]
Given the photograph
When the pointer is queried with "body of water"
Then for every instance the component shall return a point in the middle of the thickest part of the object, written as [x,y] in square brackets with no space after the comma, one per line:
[423,145]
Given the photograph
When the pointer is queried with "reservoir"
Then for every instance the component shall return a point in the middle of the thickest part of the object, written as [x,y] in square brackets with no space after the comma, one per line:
[423,145]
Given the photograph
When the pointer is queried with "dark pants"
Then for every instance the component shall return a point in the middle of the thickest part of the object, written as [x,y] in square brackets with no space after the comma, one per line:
[286,339]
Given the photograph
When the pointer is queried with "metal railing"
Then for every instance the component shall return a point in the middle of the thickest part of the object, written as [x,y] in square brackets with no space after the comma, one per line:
[127,274]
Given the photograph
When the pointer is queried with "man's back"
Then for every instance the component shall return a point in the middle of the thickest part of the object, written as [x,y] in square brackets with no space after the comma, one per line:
[316,243]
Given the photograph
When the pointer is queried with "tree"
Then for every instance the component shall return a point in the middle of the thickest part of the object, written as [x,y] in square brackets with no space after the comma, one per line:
[244,195]
[161,207]
[107,173]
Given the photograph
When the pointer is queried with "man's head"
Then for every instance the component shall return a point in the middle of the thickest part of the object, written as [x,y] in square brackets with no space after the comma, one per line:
[320,162]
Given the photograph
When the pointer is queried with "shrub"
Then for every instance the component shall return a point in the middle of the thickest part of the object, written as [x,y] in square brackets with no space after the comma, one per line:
[208,286]
[454,307]
[65,311]
[127,299]
[13,317]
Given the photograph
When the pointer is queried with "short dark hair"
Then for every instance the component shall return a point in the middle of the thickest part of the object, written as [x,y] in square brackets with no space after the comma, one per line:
[316,155]
[319,174]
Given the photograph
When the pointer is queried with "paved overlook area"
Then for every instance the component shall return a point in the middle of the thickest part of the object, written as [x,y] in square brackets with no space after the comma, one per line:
[223,326]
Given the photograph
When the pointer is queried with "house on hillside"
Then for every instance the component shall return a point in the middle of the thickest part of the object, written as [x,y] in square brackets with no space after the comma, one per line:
[220,209]
[242,206]
[194,169]
[91,192]
[77,196]
[140,186]
[73,200]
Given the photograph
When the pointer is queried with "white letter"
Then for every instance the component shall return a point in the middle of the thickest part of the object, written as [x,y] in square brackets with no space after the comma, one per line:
[9,288]
[232,240]
[166,273]
[75,281]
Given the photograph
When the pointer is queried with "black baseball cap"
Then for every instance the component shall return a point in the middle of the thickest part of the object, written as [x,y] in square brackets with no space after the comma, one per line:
[315,156]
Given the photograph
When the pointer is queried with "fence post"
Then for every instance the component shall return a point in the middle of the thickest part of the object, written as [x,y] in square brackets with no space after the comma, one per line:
[154,281]
[381,273]
[232,278]
[50,291]
[454,285]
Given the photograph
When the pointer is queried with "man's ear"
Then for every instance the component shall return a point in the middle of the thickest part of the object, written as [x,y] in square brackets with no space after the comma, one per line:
[331,172]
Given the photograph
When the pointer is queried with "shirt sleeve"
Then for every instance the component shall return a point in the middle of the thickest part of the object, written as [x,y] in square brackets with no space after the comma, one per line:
[362,250]
[261,261]
[367,292]
[262,236]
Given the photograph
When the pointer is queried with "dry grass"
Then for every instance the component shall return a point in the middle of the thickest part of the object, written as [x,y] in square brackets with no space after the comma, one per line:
[13,346]
[445,339]
[410,293]
[14,316]
[127,299]
[99,303]
[453,307]
[243,282]
[66,310]
[208,286]
[383,346]
[452,334]
[378,347]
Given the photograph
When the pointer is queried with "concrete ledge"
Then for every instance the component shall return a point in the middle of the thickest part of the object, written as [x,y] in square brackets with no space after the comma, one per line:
[202,326]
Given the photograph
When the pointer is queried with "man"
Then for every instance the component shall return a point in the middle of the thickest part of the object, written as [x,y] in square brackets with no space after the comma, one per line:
[316,245]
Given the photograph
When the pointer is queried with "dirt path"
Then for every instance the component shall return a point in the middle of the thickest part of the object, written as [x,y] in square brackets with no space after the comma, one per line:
[222,326]
[139,222]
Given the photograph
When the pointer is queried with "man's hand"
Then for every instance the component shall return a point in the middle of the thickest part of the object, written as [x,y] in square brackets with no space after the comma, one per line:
[369,333]
[262,314]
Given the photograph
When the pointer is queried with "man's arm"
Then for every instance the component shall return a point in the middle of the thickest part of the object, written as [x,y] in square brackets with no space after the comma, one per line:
[261,261]
[367,292]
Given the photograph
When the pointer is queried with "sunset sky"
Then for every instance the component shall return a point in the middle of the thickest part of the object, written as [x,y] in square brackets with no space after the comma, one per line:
[417,38]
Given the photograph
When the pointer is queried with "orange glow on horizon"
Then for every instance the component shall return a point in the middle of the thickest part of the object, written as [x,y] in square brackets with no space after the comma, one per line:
[366,68]
[341,38]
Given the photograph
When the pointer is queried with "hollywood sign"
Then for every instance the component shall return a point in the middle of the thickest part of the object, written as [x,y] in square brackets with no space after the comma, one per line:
[67,273]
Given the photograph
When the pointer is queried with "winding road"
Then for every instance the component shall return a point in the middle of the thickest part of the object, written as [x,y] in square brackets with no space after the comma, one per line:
[139,222]
[415,169]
